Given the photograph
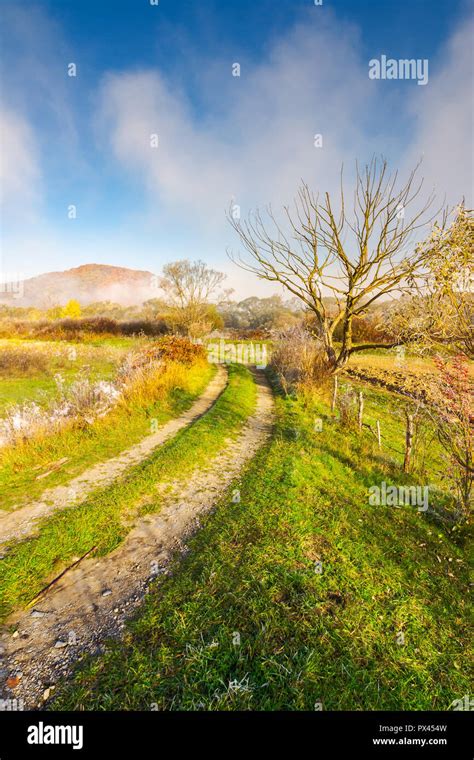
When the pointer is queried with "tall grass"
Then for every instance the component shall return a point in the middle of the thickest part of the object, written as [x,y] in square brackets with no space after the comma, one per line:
[298,359]
[157,395]
[16,360]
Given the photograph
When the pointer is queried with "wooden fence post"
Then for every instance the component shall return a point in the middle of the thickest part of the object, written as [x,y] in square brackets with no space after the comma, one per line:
[379,437]
[361,409]
[408,441]
[334,394]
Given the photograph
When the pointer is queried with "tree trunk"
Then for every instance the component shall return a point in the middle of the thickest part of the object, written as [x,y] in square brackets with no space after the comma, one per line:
[345,351]
[346,347]
[330,353]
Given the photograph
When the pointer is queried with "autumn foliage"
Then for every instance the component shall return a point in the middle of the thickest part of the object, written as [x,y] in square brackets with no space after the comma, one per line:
[169,348]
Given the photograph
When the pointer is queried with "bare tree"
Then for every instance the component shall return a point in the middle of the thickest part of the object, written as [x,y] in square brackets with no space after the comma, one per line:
[317,252]
[189,286]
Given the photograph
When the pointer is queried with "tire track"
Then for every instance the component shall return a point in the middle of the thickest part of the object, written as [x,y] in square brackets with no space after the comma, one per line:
[21,523]
[92,601]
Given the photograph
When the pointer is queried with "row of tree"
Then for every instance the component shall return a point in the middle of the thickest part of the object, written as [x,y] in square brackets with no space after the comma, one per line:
[250,314]
[357,279]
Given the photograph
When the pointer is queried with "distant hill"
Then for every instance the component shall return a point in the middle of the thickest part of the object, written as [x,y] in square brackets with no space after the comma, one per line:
[86,283]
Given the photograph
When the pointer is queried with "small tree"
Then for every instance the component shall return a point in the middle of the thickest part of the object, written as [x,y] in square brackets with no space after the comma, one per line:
[188,287]
[154,308]
[72,309]
[316,252]
[54,312]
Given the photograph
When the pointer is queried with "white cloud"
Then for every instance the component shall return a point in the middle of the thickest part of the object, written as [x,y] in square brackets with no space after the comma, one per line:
[443,113]
[20,173]
[257,141]
[253,140]
[35,56]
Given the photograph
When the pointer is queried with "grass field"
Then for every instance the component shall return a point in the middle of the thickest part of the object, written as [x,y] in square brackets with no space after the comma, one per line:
[85,445]
[302,595]
[28,368]
[103,520]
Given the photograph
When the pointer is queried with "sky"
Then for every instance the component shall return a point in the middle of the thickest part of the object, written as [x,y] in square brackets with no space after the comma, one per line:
[81,181]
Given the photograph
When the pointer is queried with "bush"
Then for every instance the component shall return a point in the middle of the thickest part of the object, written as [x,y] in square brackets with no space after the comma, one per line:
[143,327]
[453,415]
[298,358]
[348,409]
[169,348]
[79,403]
[20,361]
[73,327]
[77,329]
[148,374]
[257,334]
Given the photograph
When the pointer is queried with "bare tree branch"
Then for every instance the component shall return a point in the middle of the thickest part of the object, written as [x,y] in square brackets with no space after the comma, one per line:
[316,251]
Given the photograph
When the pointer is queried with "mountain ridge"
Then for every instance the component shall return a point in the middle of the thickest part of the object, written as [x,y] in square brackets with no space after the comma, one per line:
[86,283]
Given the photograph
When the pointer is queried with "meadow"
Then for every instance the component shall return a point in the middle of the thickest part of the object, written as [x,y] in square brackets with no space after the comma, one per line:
[24,462]
[300,594]
[28,368]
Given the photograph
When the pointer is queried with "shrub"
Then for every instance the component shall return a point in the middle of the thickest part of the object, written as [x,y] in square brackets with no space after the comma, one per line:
[366,329]
[72,309]
[147,374]
[84,398]
[453,415]
[81,402]
[18,360]
[78,329]
[142,326]
[169,348]
[250,334]
[298,358]
[347,407]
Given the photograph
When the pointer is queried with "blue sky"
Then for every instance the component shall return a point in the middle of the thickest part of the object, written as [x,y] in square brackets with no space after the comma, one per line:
[167,70]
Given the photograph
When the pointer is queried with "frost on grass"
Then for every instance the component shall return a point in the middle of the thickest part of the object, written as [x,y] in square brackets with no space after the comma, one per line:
[82,399]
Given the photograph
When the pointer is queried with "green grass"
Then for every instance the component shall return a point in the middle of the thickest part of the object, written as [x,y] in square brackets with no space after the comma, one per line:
[102,519]
[429,460]
[123,426]
[98,362]
[305,636]
[14,390]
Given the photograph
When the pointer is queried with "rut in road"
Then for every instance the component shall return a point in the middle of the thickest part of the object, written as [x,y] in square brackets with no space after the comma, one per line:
[23,522]
[92,601]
